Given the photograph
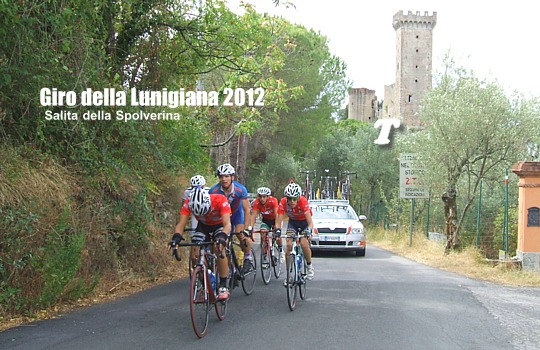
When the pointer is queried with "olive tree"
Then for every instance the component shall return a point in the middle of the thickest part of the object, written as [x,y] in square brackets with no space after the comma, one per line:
[472,127]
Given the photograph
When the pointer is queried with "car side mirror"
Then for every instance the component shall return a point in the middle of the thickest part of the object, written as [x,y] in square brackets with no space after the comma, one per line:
[362,217]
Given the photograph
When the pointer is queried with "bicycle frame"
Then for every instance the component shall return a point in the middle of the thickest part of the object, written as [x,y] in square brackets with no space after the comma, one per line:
[296,271]
[202,293]
[235,269]
[308,189]
[346,186]
[269,257]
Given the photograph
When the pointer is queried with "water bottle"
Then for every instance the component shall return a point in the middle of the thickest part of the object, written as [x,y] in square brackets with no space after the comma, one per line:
[212,279]
[299,262]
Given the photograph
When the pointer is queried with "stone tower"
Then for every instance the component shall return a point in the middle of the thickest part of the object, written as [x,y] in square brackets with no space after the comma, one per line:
[414,51]
[362,104]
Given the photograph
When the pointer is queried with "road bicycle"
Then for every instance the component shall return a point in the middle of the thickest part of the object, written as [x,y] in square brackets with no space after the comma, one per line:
[327,191]
[296,282]
[346,185]
[269,258]
[204,283]
[309,192]
[236,272]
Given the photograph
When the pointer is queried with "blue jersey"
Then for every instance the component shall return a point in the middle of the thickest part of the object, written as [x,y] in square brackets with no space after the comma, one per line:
[238,193]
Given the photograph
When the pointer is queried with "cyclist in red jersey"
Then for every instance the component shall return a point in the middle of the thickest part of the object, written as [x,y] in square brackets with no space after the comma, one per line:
[213,214]
[297,208]
[267,206]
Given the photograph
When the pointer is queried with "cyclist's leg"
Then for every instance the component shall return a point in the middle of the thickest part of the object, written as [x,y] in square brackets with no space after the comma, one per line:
[220,241]
[194,250]
[304,243]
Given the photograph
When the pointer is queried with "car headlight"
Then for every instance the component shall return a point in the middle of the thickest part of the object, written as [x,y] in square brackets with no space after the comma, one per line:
[357,230]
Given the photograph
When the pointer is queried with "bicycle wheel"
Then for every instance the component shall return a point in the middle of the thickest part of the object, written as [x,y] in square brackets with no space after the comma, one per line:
[248,279]
[292,286]
[199,302]
[221,307]
[302,280]
[276,262]
[266,263]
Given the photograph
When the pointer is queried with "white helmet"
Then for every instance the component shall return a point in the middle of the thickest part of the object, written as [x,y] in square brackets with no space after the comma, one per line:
[199,201]
[264,191]
[197,180]
[225,169]
[292,190]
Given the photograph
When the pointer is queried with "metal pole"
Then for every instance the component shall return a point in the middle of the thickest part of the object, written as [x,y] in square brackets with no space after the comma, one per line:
[478,216]
[506,215]
[412,223]
[427,220]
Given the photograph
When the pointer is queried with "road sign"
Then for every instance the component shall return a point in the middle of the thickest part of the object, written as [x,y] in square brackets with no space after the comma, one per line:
[411,177]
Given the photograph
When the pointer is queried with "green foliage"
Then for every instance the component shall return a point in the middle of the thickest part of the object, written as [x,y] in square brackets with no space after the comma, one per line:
[60,261]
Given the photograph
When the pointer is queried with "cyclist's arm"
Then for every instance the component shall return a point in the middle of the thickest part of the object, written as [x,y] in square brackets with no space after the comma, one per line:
[226,218]
[182,222]
[279,221]
[309,220]
[247,211]
[254,214]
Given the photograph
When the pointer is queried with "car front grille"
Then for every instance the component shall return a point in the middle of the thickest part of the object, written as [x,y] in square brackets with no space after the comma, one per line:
[328,230]
[331,243]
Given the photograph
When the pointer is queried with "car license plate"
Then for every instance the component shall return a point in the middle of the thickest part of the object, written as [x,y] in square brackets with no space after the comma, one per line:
[331,238]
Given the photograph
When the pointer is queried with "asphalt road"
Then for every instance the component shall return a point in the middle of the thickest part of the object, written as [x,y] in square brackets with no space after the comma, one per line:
[380,301]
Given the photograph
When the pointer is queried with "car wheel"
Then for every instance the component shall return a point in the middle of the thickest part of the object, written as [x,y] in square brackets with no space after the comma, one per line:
[361,252]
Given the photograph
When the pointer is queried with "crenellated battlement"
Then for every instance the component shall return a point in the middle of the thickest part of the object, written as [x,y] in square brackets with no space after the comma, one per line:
[414,20]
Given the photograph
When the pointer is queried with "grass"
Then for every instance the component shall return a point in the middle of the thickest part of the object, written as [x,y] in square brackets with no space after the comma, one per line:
[469,262]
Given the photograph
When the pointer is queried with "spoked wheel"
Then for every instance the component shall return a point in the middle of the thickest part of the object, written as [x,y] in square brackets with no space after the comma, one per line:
[276,262]
[199,302]
[266,262]
[292,286]
[302,281]
[248,280]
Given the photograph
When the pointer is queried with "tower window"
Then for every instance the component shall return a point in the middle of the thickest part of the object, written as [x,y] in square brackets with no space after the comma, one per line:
[416,80]
[410,98]
[417,50]
[417,37]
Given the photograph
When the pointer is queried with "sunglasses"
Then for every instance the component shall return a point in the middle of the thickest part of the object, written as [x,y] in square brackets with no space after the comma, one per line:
[262,196]
[291,199]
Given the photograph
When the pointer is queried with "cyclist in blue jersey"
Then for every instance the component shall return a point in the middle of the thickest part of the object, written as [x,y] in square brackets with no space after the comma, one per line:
[238,197]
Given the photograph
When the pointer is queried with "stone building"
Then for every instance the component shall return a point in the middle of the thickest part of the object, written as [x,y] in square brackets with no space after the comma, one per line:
[414,53]
[363,104]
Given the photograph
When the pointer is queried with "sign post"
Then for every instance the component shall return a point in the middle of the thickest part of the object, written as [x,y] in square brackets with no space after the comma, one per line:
[411,182]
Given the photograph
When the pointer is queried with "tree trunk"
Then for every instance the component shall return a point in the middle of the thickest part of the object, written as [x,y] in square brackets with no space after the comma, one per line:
[241,158]
[450,215]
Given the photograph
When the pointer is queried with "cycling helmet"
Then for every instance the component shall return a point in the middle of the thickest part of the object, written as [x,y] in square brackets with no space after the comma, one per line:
[199,201]
[197,181]
[264,191]
[292,190]
[225,169]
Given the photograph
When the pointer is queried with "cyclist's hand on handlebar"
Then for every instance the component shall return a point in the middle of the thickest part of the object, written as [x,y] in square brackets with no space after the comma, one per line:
[277,232]
[308,231]
[250,230]
[176,239]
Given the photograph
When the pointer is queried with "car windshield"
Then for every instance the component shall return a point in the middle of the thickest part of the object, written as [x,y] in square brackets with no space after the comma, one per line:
[333,212]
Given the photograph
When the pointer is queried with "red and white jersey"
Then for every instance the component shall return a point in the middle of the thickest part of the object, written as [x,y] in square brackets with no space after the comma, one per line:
[267,209]
[219,206]
[298,212]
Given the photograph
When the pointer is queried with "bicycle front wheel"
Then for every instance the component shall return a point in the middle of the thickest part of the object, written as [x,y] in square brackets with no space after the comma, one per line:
[199,302]
[302,280]
[266,263]
[292,286]
[248,280]
[276,262]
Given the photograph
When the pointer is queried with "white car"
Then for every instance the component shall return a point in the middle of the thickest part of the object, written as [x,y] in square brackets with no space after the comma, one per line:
[337,227]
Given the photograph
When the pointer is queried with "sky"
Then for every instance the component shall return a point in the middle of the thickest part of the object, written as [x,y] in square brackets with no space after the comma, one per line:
[497,40]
